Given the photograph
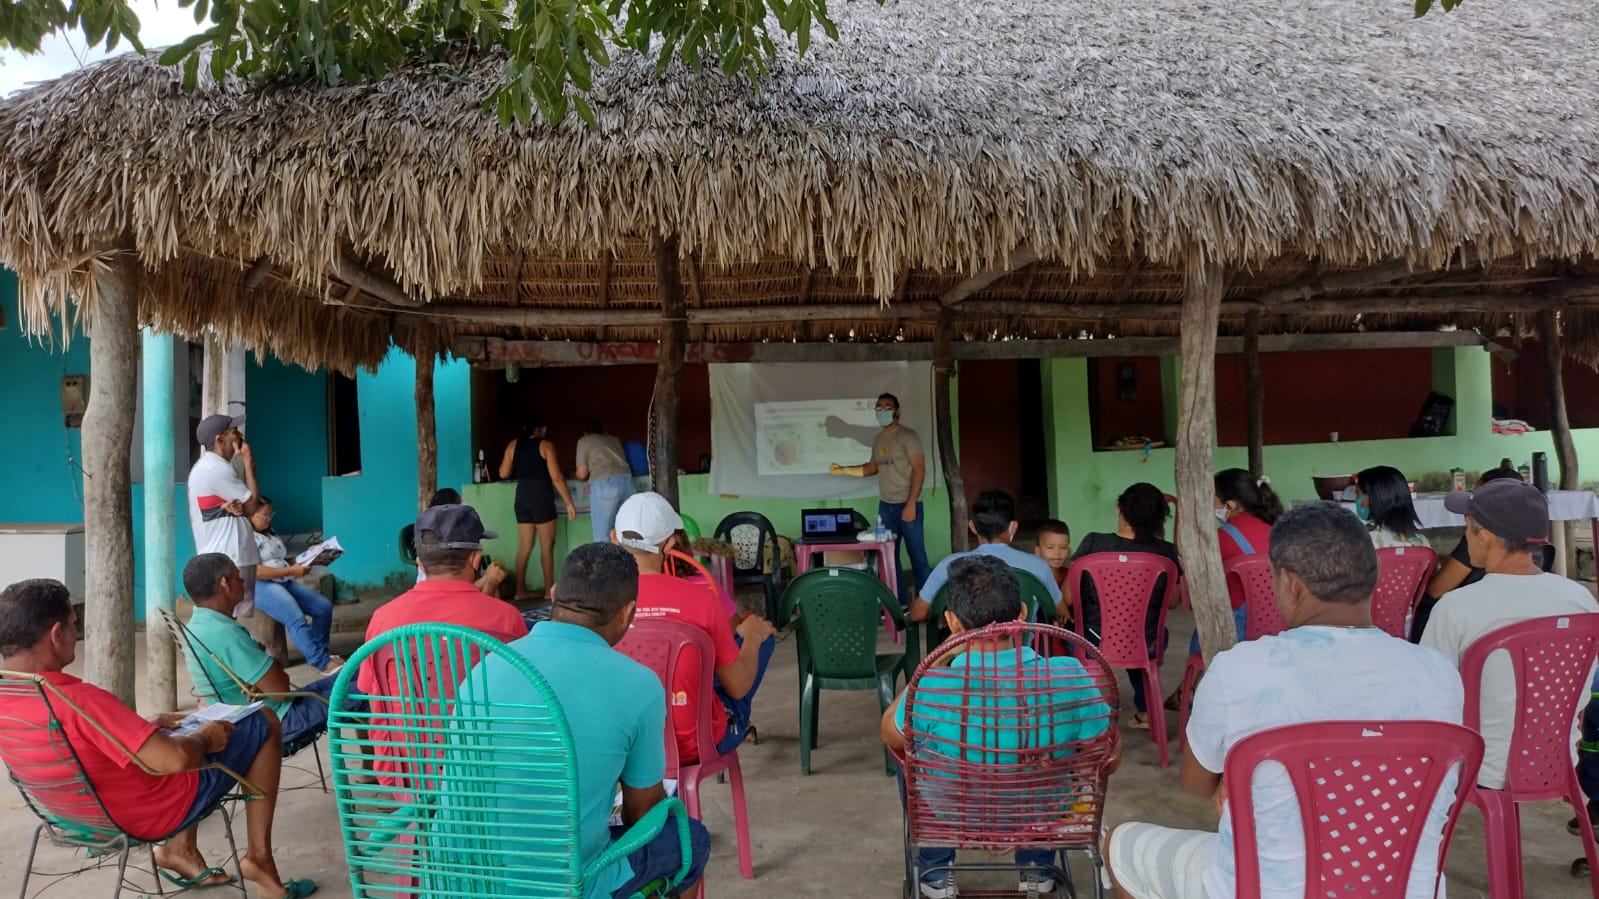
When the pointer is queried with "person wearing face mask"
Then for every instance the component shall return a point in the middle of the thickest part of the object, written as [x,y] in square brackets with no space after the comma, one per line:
[994,525]
[1384,503]
[901,468]
[1246,508]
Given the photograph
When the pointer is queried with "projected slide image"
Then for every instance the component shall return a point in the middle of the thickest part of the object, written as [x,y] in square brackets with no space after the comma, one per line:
[804,437]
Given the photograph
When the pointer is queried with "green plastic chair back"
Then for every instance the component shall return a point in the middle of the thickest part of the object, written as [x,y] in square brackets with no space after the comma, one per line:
[1035,596]
[691,527]
[487,793]
[841,610]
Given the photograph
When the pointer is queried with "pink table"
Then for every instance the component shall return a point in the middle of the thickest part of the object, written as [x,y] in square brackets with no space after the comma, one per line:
[806,551]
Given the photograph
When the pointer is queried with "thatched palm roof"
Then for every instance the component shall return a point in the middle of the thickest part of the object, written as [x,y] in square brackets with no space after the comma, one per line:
[1288,141]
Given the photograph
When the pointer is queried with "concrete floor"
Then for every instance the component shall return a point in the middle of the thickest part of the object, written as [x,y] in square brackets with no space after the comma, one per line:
[835,833]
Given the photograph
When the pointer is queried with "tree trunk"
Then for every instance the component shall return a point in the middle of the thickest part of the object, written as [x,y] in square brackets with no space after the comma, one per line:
[669,371]
[107,493]
[954,484]
[1255,395]
[1554,353]
[427,438]
[1196,489]
[160,581]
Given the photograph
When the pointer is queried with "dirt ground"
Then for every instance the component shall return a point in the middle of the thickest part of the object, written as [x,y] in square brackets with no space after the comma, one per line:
[834,833]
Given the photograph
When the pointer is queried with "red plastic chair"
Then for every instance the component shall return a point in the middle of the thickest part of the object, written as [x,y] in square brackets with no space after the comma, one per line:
[1402,575]
[1125,583]
[1249,581]
[1365,790]
[1551,659]
[1026,771]
[658,645]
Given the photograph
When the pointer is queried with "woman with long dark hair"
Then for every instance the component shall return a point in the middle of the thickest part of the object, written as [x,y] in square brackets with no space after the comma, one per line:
[533,462]
[1141,514]
[1384,503]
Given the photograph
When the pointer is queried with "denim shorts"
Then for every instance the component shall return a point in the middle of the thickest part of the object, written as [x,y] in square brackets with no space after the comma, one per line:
[663,856]
[243,746]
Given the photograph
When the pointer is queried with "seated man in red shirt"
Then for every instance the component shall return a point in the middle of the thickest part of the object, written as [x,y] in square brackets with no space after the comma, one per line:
[647,526]
[449,547]
[38,635]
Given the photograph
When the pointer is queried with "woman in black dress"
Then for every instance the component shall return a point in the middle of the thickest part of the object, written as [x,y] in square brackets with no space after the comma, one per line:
[531,460]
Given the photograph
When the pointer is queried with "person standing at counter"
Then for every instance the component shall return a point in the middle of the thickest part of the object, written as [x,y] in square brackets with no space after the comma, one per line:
[533,462]
[901,468]
[603,463]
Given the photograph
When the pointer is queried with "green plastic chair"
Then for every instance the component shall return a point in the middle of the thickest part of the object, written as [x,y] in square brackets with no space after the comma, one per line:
[691,528]
[1040,608]
[486,801]
[836,613]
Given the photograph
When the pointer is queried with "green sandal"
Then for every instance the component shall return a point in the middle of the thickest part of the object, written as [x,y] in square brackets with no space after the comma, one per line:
[197,882]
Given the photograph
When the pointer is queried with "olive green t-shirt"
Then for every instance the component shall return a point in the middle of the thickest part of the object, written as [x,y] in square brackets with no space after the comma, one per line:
[603,456]
[893,450]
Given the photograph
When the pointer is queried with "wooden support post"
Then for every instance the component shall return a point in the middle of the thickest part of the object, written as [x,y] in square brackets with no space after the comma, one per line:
[1255,395]
[107,493]
[427,438]
[160,580]
[669,371]
[1554,354]
[1196,488]
[954,484]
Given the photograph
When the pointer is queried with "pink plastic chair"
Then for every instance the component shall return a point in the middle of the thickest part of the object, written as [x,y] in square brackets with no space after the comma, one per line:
[1551,658]
[1365,789]
[1125,582]
[658,645]
[1402,575]
[1249,577]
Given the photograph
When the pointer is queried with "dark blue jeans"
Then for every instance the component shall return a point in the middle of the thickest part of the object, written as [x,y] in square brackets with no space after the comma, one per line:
[738,710]
[663,856]
[910,536]
[306,713]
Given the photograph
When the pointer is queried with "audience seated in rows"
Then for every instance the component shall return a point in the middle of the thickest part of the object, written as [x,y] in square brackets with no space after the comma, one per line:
[213,583]
[647,527]
[983,590]
[1141,514]
[616,710]
[1507,521]
[1456,570]
[994,524]
[1324,570]
[38,635]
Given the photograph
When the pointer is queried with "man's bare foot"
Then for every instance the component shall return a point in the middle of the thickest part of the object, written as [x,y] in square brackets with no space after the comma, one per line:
[188,866]
[265,877]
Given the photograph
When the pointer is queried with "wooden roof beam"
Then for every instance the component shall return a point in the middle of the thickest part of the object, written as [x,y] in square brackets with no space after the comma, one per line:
[352,272]
[1019,259]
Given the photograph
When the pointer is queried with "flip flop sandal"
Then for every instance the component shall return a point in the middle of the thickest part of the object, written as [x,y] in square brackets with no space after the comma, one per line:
[299,889]
[1138,724]
[197,882]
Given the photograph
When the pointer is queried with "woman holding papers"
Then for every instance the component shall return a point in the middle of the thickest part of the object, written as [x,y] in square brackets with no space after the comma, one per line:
[286,600]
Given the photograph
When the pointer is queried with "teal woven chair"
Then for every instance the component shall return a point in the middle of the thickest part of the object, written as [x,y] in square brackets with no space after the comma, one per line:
[835,613]
[1040,609]
[484,802]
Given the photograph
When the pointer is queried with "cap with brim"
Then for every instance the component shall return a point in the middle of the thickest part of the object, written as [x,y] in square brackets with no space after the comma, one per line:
[1508,508]
[453,526]
[213,426]
[645,521]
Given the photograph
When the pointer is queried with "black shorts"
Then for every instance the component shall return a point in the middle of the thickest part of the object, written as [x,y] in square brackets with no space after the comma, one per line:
[535,502]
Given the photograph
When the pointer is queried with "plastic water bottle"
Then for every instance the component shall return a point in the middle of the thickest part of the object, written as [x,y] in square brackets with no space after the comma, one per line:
[882,530]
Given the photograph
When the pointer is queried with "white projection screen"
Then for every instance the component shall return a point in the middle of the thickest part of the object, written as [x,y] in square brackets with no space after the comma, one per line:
[775,427]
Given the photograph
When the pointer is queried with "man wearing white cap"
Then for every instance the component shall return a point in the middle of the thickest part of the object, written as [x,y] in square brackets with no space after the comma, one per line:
[647,526]
[221,503]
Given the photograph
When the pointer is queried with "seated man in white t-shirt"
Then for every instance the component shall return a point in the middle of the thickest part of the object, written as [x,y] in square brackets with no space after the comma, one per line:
[1507,526]
[1323,572]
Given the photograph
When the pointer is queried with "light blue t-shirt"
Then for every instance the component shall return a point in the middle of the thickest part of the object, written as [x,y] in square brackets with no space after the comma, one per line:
[1006,553]
[616,710]
[1310,674]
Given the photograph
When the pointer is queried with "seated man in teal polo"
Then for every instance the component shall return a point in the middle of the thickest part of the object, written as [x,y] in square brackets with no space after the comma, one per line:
[616,711]
[994,524]
[213,582]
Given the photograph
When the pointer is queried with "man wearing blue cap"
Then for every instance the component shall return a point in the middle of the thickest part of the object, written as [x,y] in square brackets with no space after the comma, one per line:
[1507,524]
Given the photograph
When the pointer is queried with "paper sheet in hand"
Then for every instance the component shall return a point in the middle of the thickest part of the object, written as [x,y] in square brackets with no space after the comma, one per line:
[321,554]
[220,711]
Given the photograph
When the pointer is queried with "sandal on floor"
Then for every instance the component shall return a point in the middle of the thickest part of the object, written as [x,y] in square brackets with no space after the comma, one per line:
[299,889]
[197,882]
[1139,721]
[1174,701]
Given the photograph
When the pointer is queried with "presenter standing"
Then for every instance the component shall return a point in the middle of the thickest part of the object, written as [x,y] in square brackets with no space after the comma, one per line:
[900,467]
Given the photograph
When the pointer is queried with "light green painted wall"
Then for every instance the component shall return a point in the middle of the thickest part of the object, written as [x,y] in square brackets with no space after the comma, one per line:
[494,503]
[1084,484]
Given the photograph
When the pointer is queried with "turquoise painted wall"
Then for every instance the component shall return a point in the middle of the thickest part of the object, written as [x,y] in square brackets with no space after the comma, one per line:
[366,511]
[41,485]
[1084,484]
[287,423]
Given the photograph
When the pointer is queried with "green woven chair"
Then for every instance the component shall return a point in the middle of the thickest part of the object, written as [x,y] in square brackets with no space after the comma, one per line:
[45,769]
[836,613]
[486,804]
[237,692]
[1040,608]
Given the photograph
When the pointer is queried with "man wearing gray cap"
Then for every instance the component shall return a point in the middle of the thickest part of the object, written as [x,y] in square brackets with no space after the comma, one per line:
[221,503]
[1507,523]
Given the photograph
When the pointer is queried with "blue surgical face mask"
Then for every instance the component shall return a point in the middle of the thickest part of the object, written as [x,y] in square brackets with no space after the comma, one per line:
[1363,508]
[885,417]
